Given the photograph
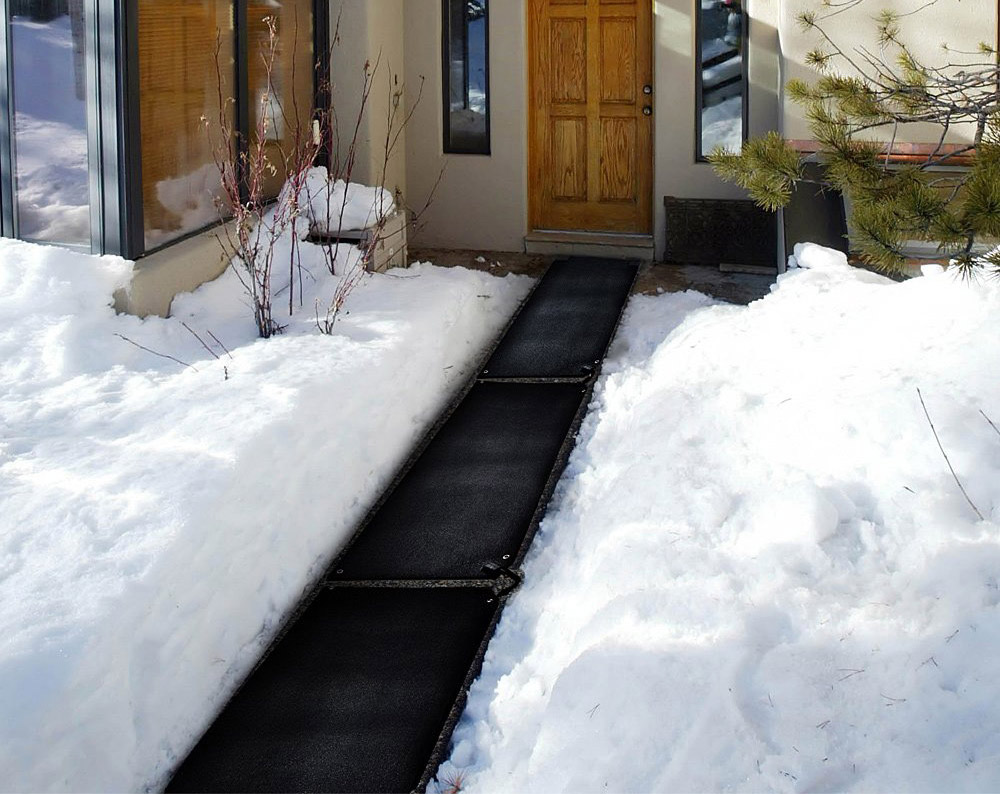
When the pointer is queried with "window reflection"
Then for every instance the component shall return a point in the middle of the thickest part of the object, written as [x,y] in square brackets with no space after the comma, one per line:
[467,77]
[721,43]
[285,109]
[50,121]
[178,88]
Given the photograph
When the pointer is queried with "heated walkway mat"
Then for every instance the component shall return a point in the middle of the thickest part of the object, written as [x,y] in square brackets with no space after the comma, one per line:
[471,496]
[352,699]
[565,327]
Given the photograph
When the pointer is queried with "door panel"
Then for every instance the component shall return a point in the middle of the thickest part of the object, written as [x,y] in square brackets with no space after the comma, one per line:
[590,147]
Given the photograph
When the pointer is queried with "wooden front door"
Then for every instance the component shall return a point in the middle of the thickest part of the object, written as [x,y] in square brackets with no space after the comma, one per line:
[590,115]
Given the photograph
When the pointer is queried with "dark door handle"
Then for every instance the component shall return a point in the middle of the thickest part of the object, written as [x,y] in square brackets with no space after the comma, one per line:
[647,110]
[647,89]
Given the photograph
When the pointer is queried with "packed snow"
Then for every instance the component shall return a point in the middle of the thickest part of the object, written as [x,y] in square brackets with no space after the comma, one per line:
[159,517]
[758,573]
[333,205]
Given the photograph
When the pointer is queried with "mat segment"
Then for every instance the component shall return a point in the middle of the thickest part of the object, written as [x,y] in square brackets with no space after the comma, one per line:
[352,699]
[566,325]
[470,497]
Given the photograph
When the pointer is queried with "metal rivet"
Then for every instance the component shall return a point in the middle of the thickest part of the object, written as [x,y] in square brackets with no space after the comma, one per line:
[506,556]
[340,570]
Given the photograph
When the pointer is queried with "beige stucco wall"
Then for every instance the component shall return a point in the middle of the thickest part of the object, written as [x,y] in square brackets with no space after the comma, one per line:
[481,201]
[961,25]
[369,31]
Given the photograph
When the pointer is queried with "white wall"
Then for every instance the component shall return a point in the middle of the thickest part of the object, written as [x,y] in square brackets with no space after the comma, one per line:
[481,201]
[962,25]
[369,31]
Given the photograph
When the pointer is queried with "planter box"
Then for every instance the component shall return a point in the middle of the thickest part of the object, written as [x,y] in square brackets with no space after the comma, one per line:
[387,241]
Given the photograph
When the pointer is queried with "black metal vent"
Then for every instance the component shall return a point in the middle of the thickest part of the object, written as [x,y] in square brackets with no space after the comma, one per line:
[720,232]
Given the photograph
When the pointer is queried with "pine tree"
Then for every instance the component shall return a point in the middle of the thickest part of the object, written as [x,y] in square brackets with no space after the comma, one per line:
[891,204]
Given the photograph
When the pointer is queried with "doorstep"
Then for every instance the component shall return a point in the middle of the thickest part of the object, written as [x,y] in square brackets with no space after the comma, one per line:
[598,244]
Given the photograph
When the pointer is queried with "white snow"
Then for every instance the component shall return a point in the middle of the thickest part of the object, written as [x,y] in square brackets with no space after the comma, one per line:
[758,573]
[157,520]
[722,125]
[333,205]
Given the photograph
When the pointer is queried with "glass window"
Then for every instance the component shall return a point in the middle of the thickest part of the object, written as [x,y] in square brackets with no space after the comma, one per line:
[721,76]
[178,91]
[466,77]
[285,108]
[50,87]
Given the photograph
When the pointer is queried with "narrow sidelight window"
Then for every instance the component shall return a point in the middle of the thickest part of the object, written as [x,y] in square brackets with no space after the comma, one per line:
[721,75]
[466,76]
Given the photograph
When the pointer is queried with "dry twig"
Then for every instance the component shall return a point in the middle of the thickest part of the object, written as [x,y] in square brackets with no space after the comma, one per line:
[946,460]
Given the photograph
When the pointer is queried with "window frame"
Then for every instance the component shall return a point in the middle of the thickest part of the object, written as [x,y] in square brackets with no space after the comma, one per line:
[699,155]
[448,147]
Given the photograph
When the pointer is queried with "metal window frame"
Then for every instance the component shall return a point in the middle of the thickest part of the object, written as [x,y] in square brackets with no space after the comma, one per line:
[699,155]
[447,146]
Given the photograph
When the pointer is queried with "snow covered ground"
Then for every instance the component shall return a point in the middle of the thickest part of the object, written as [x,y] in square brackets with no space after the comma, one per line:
[758,573]
[157,520]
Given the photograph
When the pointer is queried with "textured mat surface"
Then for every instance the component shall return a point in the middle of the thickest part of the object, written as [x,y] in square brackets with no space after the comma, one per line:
[470,497]
[566,325]
[352,699]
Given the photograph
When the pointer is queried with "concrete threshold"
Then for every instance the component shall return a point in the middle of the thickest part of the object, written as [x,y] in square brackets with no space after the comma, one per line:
[593,244]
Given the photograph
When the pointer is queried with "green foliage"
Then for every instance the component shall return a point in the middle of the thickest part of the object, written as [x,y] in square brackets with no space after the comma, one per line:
[767,169]
[891,204]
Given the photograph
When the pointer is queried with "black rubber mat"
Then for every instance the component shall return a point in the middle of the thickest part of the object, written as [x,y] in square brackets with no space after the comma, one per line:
[353,698]
[470,497]
[566,325]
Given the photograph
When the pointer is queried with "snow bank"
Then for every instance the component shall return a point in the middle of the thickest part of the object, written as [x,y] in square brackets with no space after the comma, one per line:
[758,573]
[157,520]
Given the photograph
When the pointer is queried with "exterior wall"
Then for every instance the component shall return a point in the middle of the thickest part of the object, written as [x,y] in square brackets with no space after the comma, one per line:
[481,201]
[961,25]
[369,31]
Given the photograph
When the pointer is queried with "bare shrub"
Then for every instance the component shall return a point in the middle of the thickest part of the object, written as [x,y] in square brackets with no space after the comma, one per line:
[257,223]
